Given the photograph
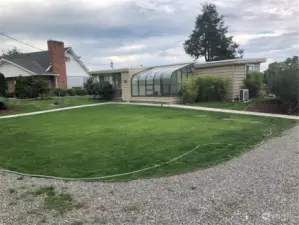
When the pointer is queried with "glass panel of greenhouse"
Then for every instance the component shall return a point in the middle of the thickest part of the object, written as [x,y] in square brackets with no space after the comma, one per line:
[161,80]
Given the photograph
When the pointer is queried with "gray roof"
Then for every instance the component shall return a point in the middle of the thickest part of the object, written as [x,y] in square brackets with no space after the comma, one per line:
[37,62]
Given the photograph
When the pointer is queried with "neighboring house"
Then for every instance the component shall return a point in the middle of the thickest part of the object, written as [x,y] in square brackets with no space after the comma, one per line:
[162,83]
[60,65]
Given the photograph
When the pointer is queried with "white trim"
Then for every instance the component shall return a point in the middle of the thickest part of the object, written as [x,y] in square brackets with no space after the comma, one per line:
[71,51]
[229,62]
[47,70]
[5,60]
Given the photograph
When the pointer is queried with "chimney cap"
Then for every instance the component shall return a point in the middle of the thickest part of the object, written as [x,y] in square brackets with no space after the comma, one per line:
[54,41]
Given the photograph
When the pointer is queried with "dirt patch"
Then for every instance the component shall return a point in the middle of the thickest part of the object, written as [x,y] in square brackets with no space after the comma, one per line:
[267,106]
[5,111]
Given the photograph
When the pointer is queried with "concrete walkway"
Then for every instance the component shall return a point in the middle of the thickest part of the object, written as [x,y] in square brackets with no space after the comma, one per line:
[161,105]
[216,110]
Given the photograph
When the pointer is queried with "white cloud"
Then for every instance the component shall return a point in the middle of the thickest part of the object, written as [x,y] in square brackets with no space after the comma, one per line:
[148,32]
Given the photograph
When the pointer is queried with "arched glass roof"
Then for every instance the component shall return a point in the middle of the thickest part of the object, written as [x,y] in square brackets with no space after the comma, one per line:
[159,72]
[156,81]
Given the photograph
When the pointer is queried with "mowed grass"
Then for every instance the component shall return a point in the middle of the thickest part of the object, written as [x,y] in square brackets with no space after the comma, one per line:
[112,139]
[16,106]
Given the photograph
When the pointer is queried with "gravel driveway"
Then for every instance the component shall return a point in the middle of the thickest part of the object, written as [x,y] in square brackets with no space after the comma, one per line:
[260,187]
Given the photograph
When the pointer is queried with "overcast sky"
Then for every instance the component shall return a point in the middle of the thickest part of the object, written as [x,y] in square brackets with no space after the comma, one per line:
[147,32]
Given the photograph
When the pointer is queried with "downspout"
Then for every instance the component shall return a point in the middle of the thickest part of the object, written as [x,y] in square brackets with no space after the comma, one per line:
[233,77]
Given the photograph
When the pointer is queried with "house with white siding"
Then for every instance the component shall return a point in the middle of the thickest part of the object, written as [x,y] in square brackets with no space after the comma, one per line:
[59,65]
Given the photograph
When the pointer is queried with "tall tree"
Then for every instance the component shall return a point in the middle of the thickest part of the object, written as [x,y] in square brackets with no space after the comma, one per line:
[11,52]
[209,38]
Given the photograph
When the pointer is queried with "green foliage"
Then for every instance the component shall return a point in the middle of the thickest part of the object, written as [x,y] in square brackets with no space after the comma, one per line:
[275,68]
[286,88]
[212,88]
[3,103]
[3,86]
[88,86]
[12,52]
[62,92]
[81,92]
[105,90]
[204,88]
[253,82]
[71,92]
[189,90]
[209,38]
[31,87]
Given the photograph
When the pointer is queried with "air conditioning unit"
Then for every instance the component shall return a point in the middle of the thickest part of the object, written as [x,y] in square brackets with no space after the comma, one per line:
[244,95]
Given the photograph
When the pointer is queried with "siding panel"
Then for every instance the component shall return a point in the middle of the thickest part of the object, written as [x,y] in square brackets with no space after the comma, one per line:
[76,74]
[10,70]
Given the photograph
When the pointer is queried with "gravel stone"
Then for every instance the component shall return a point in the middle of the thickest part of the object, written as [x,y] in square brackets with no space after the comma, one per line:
[260,187]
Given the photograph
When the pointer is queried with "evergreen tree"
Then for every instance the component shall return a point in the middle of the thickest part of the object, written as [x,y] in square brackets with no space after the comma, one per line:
[209,38]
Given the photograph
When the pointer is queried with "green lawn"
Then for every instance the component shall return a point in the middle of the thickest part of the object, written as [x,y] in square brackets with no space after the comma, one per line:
[229,105]
[17,106]
[112,139]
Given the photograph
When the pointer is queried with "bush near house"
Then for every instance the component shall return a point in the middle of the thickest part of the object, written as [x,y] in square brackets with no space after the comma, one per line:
[88,86]
[253,82]
[3,86]
[71,92]
[102,90]
[81,92]
[31,87]
[189,90]
[212,88]
[62,92]
[204,88]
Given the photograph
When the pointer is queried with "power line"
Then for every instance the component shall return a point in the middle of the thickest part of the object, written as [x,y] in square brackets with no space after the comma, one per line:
[3,34]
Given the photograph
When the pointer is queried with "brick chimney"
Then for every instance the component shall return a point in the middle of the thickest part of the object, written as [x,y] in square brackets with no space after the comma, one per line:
[57,59]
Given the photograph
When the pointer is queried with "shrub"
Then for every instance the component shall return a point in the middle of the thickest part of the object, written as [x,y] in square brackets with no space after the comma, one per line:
[88,86]
[204,88]
[253,82]
[3,103]
[103,90]
[285,86]
[62,92]
[212,88]
[31,87]
[71,92]
[3,86]
[81,92]
[189,90]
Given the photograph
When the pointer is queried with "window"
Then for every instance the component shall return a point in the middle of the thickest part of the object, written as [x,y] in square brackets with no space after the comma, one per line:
[160,80]
[67,59]
[249,67]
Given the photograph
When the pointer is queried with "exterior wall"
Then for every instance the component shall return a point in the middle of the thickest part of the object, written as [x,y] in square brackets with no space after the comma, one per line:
[237,73]
[76,74]
[10,70]
[222,71]
[11,85]
[126,84]
[57,58]
[239,76]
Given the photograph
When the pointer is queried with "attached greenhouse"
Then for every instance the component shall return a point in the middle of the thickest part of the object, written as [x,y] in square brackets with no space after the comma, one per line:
[161,80]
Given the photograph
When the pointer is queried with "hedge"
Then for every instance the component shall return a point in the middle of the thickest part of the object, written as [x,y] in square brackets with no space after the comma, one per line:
[204,88]
[253,82]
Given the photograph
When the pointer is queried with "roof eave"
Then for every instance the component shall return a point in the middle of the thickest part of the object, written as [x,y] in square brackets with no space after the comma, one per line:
[229,62]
